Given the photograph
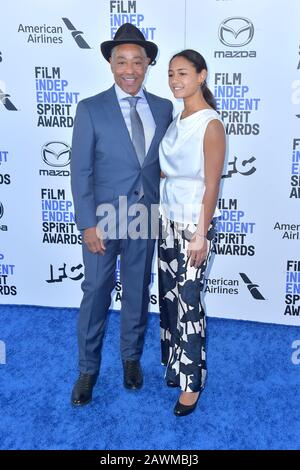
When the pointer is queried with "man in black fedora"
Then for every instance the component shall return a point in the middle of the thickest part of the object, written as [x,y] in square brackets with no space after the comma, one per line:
[115,153]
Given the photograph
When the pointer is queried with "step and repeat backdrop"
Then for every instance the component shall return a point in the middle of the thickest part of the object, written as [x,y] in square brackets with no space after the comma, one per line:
[50,59]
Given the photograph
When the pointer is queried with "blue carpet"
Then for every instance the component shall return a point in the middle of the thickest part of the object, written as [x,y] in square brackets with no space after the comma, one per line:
[251,400]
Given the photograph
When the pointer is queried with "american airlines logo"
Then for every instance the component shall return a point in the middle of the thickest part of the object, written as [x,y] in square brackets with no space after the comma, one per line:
[253,288]
[296,95]
[77,35]
[7,103]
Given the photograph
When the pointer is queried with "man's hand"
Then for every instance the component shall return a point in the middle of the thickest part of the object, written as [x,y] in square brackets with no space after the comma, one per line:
[92,239]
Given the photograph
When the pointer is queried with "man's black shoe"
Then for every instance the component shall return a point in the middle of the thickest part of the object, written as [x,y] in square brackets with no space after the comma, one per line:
[133,375]
[172,384]
[83,389]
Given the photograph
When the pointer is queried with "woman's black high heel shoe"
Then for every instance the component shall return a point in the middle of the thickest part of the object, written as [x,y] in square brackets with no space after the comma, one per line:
[184,410]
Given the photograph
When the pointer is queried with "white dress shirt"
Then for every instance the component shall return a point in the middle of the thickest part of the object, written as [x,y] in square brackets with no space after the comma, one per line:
[181,157]
[144,111]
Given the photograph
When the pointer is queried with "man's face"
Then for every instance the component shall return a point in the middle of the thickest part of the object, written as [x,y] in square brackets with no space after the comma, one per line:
[129,64]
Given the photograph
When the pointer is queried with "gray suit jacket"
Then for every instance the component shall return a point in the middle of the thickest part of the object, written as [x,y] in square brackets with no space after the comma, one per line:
[104,163]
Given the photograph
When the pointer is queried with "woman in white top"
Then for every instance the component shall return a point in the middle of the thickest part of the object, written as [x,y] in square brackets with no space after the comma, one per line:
[191,158]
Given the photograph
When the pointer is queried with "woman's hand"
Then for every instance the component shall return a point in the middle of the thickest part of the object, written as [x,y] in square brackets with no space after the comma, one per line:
[197,250]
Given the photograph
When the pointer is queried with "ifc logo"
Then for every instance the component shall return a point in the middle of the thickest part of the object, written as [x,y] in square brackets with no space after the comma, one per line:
[57,154]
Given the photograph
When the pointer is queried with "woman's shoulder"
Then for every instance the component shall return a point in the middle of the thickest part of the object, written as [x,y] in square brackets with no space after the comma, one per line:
[214,128]
[213,118]
[210,112]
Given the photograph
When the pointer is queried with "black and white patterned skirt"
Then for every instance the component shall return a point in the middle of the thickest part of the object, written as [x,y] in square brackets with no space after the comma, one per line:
[182,317]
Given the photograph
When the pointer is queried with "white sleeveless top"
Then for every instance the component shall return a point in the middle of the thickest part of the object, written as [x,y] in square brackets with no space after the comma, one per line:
[181,157]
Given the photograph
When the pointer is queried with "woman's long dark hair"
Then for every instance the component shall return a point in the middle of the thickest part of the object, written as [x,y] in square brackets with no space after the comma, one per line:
[198,61]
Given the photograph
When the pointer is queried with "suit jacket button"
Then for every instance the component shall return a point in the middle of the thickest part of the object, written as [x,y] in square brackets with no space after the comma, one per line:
[136,193]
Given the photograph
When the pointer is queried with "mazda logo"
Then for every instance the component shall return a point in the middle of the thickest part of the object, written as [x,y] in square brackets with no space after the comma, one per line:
[236,31]
[56,153]
[1,210]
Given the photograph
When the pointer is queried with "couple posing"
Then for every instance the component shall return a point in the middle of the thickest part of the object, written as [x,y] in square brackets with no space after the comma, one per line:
[124,140]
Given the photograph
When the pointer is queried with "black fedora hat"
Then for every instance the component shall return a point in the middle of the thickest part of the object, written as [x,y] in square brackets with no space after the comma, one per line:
[129,34]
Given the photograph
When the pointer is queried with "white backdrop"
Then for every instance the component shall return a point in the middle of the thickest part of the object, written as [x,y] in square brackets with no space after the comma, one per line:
[253,54]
